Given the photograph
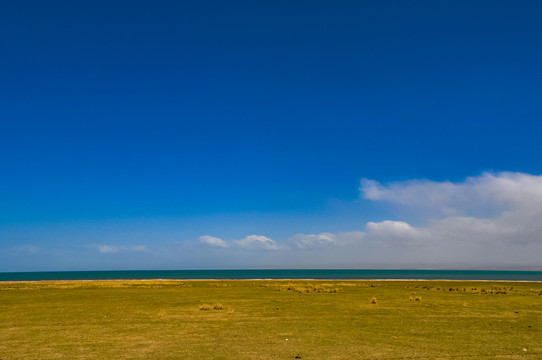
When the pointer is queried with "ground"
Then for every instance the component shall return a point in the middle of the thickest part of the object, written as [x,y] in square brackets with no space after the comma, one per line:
[170,319]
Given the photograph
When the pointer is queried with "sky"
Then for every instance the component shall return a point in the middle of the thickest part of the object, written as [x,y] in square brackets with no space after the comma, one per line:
[270,134]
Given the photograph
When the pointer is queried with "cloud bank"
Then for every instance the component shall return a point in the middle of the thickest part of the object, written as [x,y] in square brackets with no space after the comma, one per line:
[491,220]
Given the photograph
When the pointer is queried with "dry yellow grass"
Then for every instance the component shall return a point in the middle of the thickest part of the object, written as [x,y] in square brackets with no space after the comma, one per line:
[162,320]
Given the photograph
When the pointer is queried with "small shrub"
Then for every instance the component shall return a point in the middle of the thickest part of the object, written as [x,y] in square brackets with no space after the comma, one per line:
[418,298]
[307,288]
[411,298]
[373,300]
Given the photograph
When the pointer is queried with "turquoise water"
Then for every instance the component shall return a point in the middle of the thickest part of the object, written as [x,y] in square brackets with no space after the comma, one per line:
[277,274]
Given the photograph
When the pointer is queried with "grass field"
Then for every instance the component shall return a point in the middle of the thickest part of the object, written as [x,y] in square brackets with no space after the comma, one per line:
[270,320]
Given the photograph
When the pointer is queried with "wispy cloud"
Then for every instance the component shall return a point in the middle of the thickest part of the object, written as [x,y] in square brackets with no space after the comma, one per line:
[31,249]
[311,241]
[109,249]
[253,242]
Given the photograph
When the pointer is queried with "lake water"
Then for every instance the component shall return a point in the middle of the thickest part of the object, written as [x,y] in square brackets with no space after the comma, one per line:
[278,274]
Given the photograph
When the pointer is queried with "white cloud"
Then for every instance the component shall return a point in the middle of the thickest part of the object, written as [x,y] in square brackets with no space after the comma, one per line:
[505,190]
[456,231]
[394,232]
[309,241]
[213,241]
[257,242]
[108,249]
[517,196]
[491,220]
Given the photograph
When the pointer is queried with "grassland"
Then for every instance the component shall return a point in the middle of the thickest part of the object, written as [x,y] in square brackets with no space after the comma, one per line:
[270,320]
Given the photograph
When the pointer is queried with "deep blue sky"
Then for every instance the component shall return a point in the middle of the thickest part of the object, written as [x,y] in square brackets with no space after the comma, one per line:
[252,115]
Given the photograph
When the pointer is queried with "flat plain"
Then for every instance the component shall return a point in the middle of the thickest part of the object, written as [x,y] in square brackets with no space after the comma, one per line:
[270,319]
